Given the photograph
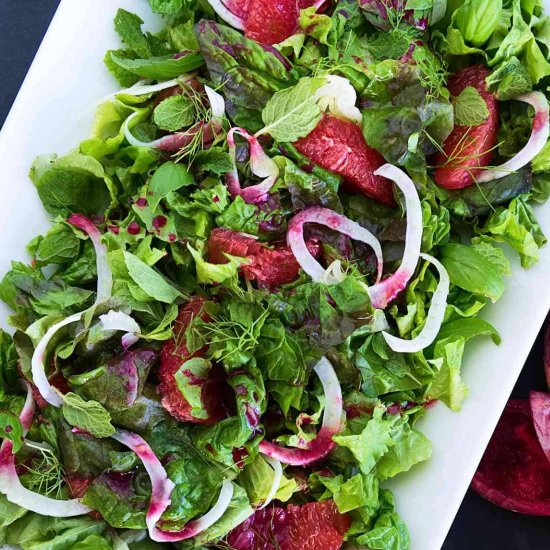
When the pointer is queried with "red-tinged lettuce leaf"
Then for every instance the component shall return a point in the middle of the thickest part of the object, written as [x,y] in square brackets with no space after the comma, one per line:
[514,473]
[383,14]
[120,386]
[540,410]
[249,72]
[481,199]
[121,498]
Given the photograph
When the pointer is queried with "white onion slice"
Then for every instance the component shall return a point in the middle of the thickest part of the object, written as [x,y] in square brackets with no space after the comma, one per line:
[322,445]
[220,7]
[384,292]
[278,476]
[217,102]
[136,142]
[27,412]
[161,486]
[143,87]
[537,141]
[118,320]
[338,97]
[50,394]
[193,528]
[14,490]
[104,275]
[333,220]
[434,319]
[104,288]
[262,166]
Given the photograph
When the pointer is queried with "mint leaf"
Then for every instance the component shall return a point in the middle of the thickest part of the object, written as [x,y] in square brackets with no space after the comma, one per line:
[169,177]
[470,108]
[149,280]
[174,113]
[292,113]
[128,27]
[89,416]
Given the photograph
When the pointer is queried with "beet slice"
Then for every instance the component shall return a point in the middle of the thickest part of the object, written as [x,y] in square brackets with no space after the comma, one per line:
[547,354]
[540,411]
[514,473]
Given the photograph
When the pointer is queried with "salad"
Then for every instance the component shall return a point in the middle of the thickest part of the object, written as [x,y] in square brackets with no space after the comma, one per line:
[263,268]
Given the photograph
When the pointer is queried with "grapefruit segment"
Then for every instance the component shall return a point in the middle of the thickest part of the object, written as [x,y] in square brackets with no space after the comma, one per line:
[173,355]
[469,148]
[270,267]
[338,145]
[313,526]
[266,21]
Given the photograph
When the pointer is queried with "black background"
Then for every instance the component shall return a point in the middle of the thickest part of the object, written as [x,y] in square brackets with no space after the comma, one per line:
[479,524]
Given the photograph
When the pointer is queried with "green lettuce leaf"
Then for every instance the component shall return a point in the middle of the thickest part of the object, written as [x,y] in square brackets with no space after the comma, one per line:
[74,183]
[477,19]
[167,7]
[257,480]
[482,198]
[359,491]
[409,448]
[149,280]
[447,386]
[521,42]
[517,226]
[471,271]
[239,509]
[372,443]
[169,177]
[34,532]
[159,67]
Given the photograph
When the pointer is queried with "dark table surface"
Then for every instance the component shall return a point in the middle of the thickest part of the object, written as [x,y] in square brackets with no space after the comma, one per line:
[479,525]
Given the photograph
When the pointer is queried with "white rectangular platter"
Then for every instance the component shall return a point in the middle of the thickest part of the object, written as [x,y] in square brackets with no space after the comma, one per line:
[53,113]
